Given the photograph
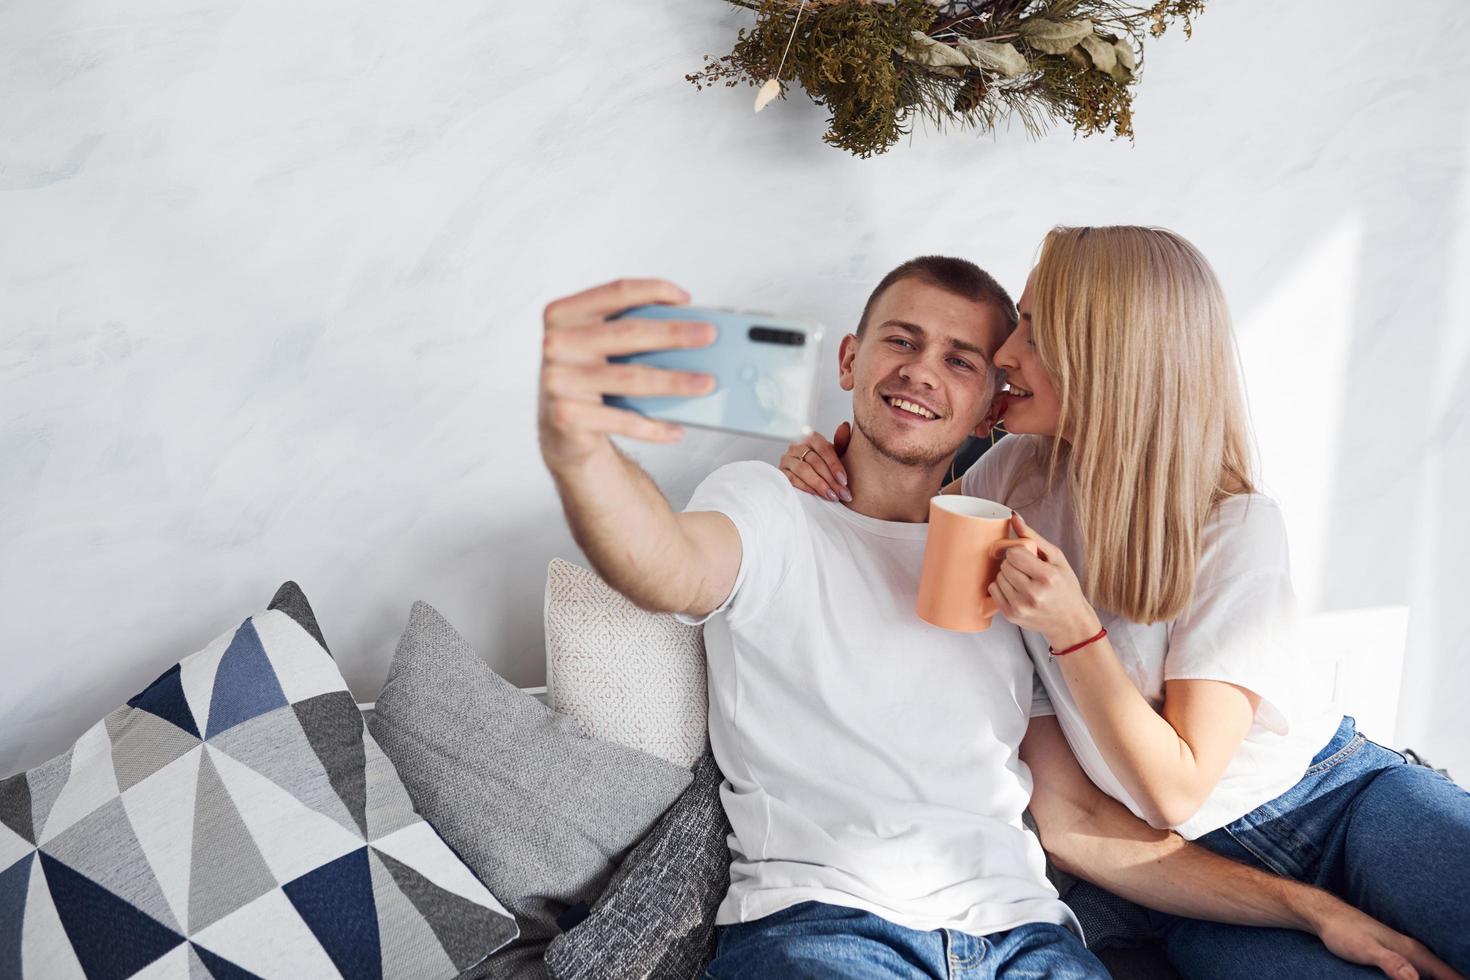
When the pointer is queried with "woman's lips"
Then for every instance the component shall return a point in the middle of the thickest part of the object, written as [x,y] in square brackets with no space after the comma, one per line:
[1006,401]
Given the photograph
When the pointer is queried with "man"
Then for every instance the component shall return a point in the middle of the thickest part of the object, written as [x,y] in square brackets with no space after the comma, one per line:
[876,767]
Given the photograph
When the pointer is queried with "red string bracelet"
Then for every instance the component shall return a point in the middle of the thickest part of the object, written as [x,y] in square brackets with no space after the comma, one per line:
[1078,646]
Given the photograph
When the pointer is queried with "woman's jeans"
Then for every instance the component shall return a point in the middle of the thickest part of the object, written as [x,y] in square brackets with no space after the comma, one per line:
[1386,836]
[814,940]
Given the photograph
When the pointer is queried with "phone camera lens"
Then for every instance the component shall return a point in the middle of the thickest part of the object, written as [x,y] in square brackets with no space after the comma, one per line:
[774,335]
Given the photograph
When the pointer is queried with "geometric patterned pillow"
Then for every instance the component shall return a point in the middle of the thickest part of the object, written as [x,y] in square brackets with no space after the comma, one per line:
[233,820]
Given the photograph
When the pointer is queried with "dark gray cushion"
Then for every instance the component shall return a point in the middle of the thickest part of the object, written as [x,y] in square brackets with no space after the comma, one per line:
[656,919]
[540,811]
[1117,930]
[1144,963]
[1108,921]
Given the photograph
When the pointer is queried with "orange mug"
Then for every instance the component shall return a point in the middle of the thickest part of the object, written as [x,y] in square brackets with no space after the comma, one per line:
[967,540]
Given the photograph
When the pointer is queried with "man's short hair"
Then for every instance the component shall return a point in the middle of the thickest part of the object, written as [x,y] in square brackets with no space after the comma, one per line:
[958,276]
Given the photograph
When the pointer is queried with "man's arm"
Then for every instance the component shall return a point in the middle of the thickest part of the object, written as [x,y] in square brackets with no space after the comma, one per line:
[661,560]
[1091,835]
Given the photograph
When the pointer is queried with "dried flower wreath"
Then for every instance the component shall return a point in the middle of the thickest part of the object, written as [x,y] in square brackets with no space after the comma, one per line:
[877,66]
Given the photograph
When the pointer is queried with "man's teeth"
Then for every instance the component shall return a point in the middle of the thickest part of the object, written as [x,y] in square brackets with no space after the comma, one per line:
[908,406]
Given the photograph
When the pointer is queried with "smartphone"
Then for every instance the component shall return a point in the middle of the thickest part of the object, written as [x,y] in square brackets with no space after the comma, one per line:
[765,371]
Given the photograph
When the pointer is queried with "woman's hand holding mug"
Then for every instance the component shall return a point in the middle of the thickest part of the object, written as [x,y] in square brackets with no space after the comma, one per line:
[1040,592]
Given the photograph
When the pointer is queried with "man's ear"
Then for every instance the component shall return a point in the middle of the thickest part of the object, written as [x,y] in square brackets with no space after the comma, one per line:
[992,417]
[846,354]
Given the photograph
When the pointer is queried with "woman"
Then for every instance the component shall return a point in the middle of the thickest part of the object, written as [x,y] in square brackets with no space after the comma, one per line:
[1167,653]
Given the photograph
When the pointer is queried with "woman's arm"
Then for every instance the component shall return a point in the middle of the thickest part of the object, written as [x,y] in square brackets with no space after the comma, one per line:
[1169,762]
[1091,835]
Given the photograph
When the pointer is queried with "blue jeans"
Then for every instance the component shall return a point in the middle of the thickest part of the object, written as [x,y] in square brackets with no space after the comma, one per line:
[815,940]
[1391,838]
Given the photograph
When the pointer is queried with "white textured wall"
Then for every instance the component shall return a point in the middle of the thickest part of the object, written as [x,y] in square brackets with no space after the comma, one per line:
[271,275]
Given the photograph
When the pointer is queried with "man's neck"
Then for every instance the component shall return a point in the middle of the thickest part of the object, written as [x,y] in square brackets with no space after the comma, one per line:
[886,489]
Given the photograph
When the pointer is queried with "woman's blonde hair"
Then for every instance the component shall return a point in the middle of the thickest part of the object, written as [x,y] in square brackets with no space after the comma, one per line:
[1132,326]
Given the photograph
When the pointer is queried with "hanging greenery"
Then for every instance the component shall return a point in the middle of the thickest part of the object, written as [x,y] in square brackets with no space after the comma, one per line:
[877,66]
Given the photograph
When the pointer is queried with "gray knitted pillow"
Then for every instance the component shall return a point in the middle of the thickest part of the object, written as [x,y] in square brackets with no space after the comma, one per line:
[540,811]
[656,920]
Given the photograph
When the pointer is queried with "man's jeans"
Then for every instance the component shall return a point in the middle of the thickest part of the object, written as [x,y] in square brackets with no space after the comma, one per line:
[1391,838]
[814,940]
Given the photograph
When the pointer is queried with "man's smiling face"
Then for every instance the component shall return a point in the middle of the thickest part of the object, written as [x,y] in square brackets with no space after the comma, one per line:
[920,373]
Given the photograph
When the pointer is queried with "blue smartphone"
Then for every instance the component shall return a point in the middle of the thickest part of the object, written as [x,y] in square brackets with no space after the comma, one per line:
[765,371]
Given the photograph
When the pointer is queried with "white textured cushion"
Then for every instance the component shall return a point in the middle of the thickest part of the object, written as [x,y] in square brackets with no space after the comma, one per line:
[630,676]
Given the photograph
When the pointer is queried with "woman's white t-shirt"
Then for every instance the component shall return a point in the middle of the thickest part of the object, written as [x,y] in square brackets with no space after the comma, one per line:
[1239,628]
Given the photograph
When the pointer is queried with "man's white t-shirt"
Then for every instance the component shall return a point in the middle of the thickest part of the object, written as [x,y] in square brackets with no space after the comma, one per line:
[1240,628]
[870,758]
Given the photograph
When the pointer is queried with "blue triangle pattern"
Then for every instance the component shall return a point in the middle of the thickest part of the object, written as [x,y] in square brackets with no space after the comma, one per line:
[165,698]
[112,938]
[14,882]
[245,685]
[221,968]
[336,903]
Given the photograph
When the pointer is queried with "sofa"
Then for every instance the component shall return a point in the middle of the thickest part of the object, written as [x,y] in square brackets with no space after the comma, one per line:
[242,816]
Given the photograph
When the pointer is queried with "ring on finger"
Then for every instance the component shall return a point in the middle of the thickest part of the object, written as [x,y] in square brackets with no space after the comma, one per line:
[803,456]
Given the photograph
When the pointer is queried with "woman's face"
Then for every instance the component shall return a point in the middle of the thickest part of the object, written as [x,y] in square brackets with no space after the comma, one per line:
[1029,404]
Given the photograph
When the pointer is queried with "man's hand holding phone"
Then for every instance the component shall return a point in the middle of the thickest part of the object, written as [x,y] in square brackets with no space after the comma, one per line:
[657,558]
[576,373]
